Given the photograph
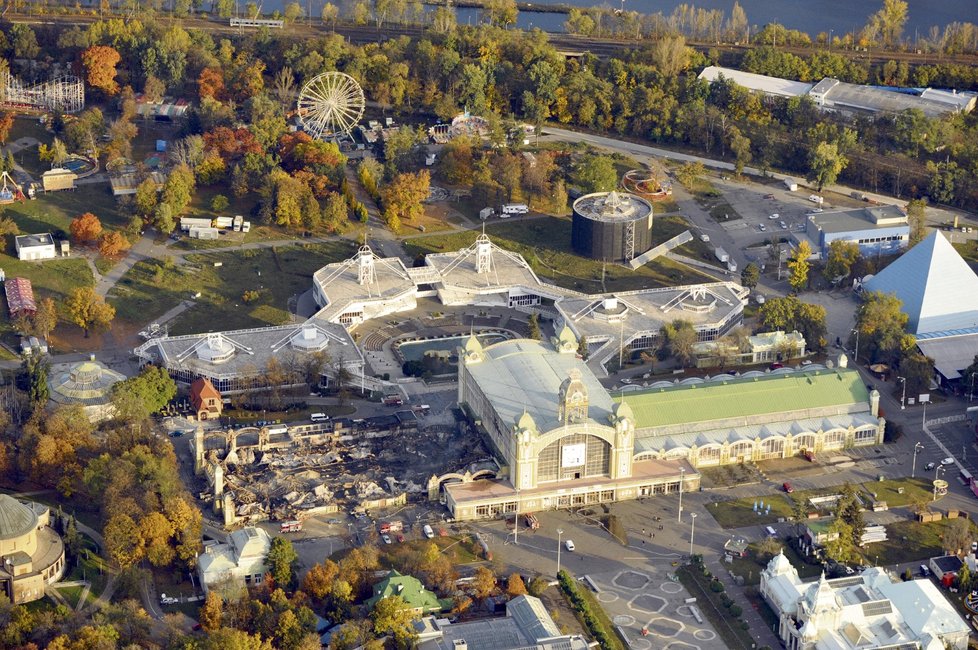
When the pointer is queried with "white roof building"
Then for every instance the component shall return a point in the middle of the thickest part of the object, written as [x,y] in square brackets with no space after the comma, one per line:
[35,247]
[239,563]
[759,82]
[868,610]
[938,289]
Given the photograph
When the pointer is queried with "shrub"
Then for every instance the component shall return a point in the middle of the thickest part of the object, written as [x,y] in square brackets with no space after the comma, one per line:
[736,610]
[716,586]
[219,203]
[249,296]
[594,624]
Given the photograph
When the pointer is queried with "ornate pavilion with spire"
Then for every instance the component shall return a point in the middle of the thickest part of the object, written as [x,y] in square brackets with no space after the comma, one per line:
[873,609]
[557,434]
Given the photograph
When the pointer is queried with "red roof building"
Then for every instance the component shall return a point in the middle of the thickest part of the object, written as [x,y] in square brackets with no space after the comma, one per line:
[20,297]
[205,399]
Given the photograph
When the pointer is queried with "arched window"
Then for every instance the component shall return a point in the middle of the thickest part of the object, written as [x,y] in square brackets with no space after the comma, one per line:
[572,457]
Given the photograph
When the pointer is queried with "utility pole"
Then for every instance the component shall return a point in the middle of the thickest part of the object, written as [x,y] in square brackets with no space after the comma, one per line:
[682,475]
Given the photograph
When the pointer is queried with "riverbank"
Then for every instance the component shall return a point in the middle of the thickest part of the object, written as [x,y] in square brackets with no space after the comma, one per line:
[524,7]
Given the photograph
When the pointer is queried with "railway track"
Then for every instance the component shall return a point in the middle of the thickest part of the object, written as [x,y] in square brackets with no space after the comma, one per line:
[567,43]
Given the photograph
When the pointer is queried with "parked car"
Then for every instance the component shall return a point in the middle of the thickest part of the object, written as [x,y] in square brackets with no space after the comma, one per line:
[947,461]
[569,544]
[787,487]
[774,217]
[704,237]
[930,466]
[762,227]
[386,538]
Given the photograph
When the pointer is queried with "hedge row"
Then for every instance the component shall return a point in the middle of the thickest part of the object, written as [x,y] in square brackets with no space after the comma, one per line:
[591,621]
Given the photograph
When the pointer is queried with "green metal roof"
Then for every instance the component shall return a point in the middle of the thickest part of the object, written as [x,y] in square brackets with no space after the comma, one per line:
[744,397]
[411,590]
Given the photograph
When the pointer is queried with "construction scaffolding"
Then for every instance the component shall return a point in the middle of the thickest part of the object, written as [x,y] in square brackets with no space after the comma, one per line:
[65,94]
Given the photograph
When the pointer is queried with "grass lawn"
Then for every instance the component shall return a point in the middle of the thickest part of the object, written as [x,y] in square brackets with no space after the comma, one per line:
[913,489]
[665,228]
[729,628]
[909,541]
[277,274]
[53,211]
[104,265]
[740,512]
[71,594]
[545,243]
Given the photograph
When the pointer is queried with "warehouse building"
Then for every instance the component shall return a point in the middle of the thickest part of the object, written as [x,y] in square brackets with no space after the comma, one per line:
[834,95]
[878,230]
[562,440]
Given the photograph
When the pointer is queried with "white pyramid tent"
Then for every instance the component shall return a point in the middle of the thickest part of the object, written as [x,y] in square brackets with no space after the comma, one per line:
[938,289]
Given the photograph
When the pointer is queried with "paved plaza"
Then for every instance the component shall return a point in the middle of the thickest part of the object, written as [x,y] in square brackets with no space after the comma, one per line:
[649,597]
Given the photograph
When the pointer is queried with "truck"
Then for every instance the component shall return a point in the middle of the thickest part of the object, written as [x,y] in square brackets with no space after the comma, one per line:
[515,208]
[223,222]
[531,521]
[732,266]
[721,255]
[391,527]
[238,220]
[186,223]
[485,213]
[291,526]
[246,226]
[393,400]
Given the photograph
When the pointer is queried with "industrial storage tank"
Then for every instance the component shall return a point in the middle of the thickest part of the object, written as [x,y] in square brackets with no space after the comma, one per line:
[611,226]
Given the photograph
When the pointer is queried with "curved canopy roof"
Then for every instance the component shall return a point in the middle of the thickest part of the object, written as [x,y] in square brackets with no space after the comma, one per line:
[16,519]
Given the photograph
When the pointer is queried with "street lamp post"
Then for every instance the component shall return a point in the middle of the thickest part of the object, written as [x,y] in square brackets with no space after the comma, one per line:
[516,530]
[692,531]
[856,353]
[559,533]
[913,468]
[903,398]
[682,475]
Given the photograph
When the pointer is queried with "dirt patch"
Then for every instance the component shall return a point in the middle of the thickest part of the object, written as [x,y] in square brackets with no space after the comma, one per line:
[561,612]
[729,476]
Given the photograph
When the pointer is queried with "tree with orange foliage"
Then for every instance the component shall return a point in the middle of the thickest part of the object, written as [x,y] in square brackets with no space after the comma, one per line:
[112,243]
[231,144]
[210,83]
[85,228]
[99,62]
[6,123]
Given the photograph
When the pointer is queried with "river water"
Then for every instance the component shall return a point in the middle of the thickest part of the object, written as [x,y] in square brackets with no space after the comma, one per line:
[813,16]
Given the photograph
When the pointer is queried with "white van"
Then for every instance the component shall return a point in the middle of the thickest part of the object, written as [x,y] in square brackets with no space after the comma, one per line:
[770,531]
[428,532]
[318,417]
[515,208]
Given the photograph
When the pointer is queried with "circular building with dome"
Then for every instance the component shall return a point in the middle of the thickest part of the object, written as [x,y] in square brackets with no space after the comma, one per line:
[88,383]
[32,554]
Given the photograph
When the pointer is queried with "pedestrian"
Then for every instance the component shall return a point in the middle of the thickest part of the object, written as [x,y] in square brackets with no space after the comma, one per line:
[643,531]
[653,535]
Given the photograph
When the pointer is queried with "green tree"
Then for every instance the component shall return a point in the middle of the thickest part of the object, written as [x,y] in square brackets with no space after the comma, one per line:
[969,378]
[596,174]
[679,337]
[146,393]
[392,616]
[293,12]
[841,257]
[38,392]
[147,196]
[750,276]
[916,213]
[848,509]
[917,370]
[740,147]
[281,557]
[841,549]
[690,173]
[334,213]
[798,266]
[219,203]
[881,323]
[500,13]
[533,322]
[178,189]
[945,178]
[779,313]
[810,321]
[123,541]
[825,164]
[886,25]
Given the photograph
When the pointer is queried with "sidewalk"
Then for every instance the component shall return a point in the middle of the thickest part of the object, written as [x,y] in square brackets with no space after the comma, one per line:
[758,627]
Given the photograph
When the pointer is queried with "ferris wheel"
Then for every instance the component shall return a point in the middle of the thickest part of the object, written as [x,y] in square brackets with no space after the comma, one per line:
[330,104]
